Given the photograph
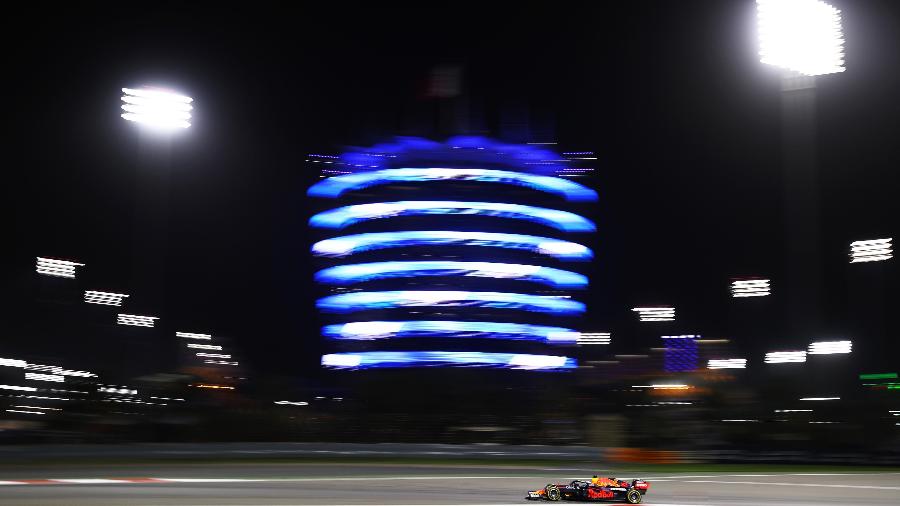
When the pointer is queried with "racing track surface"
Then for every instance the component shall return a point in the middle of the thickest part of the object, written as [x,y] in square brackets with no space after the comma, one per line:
[335,484]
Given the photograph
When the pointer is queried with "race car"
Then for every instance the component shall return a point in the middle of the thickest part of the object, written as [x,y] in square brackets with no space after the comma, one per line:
[603,489]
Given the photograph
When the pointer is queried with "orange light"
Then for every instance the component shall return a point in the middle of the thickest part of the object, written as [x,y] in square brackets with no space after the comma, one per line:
[215,387]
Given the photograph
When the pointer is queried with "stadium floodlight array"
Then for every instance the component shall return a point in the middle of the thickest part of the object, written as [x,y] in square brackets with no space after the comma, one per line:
[292,403]
[785,357]
[55,267]
[444,329]
[820,398]
[681,353]
[358,273]
[655,314]
[873,250]
[364,301]
[351,244]
[104,298]
[220,362]
[204,346]
[192,335]
[803,36]
[830,347]
[335,186]
[592,338]
[156,107]
[37,376]
[342,217]
[212,355]
[136,320]
[727,363]
[13,362]
[750,287]
[396,359]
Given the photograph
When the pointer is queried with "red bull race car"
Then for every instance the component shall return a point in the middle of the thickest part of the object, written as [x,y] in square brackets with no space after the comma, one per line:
[597,489]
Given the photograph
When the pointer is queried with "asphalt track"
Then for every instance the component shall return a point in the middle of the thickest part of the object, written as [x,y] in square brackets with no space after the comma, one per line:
[346,484]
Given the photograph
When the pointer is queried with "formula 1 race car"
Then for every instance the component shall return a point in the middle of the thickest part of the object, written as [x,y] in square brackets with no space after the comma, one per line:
[604,489]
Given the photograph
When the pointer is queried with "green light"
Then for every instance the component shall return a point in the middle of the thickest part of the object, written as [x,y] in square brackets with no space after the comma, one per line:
[884,375]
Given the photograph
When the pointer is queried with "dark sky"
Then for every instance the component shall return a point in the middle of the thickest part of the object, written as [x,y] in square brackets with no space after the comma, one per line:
[684,119]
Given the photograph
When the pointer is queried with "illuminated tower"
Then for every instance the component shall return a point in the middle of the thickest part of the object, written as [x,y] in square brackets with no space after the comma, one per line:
[457,254]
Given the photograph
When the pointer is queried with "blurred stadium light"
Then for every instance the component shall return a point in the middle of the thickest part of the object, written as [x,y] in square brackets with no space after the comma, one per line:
[750,287]
[55,267]
[104,298]
[655,314]
[803,36]
[873,250]
[785,357]
[830,347]
[157,108]
[136,320]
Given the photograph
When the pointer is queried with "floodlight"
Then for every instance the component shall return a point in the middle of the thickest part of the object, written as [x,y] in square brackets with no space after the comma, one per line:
[872,250]
[55,267]
[803,36]
[727,363]
[750,287]
[104,298]
[590,338]
[191,335]
[157,108]
[785,357]
[830,347]
[136,320]
[655,314]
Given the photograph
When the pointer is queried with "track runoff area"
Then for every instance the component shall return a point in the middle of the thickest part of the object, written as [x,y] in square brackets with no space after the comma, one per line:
[355,484]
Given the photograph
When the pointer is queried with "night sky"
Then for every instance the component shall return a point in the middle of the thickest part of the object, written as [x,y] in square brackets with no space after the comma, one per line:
[670,95]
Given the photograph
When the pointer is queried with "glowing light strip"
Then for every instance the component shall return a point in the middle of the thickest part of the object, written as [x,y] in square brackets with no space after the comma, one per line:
[873,250]
[204,346]
[358,273]
[393,359]
[784,357]
[17,387]
[351,244]
[727,363]
[372,330]
[362,301]
[192,335]
[58,268]
[750,288]
[104,298]
[591,338]
[830,347]
[335,186]
[342,217]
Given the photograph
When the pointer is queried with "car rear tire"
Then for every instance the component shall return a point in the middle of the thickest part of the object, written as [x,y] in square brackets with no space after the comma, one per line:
[633,496]
[552,493]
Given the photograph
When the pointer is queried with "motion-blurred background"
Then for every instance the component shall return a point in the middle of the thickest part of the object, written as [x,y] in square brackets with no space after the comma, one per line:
[714,174]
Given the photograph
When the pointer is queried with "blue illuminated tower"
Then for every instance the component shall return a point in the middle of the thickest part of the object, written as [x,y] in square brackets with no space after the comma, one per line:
[458,254]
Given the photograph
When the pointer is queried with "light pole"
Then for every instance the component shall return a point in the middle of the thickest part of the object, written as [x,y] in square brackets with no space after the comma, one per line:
[159,113]
[804,38]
